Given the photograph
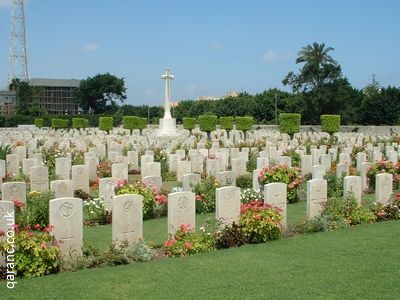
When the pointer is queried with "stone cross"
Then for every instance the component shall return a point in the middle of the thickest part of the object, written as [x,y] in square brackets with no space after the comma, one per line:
[167,76]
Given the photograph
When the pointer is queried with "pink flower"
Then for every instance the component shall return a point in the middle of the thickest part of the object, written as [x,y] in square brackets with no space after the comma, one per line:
[197,198]
[43,245]
[37,226]
[1,232]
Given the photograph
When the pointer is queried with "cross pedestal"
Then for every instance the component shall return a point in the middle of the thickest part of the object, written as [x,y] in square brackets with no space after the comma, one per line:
[167,123]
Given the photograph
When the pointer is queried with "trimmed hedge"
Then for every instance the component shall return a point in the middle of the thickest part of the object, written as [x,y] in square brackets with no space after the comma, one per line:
[330,123]
[78,123]
[244,123]
[57,123]
[130,122]
[207,123]
[226,123]
[39,123]
[64,123]
[142,123]
[289,123]
[85,123]
[189,123]
[106,123]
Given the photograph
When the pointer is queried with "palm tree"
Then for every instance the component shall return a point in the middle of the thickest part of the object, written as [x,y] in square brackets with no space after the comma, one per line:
[316,55]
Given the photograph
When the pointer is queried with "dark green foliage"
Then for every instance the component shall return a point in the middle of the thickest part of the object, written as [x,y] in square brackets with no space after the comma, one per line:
[335,184]
[226,123]
[244,123]
[78,123]
[244,181]
[230,236]
[106,123]
[65,123]
[289,123]
[207,122]
[330,123]
[251,164]
[4,150]
[189,123]
[37,209]
[39,123]
[100,93]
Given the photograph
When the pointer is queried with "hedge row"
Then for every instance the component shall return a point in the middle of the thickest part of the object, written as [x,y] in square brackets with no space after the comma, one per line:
[330,123]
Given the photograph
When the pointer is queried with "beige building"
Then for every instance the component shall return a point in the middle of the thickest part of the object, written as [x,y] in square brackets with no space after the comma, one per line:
[58,97]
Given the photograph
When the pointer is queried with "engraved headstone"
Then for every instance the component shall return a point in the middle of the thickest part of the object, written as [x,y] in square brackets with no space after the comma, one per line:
[66,217]
[181,211]
[276,194]
[127,219]
[316,197]
[62,188]
[227,205]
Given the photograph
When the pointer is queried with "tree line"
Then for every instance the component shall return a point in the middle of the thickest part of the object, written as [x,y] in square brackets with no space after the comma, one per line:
[318,88]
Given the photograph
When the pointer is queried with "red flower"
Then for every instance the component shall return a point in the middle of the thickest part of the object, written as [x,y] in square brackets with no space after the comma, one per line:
[197,198]
[37,226]
[18,203]
[1,232]
[43,245]
[188,246]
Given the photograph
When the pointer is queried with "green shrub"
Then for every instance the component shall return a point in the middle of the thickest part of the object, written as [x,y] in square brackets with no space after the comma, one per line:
[39,123]
[340,210]
[244,123]
[289,123]
[149,202]
[94,213]
[106,123]
[205,195]
[142,124]
[78,123]
[36,253]
[85,123]
[330,123]
[207,123]
[37,209]
[226,123]
[189,123]
[64,123]
[244,181]
[260,222]
[282,173]
[187,242]
[130,122]
[56,123]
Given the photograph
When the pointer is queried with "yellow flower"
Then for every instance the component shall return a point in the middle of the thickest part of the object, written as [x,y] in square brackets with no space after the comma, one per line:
[34,193]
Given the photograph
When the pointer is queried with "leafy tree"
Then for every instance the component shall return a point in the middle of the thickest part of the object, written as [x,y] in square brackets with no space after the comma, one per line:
[381,108]
[23,94]
[100,93]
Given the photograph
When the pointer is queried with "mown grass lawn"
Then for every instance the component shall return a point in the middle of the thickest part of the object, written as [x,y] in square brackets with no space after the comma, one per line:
[356,263]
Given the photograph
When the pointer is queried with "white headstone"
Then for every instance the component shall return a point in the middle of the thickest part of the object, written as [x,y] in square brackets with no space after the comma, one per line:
[106,191]
[80,178]
[181,211]
[316,197]
[63,167]
[119,171]
[276,194]
[13,191]
[62,188]
[127,218]
[227,178]
[352,186]
[306,164]
[39,177]
[383,187]
[184,167]
[66,217]
[227,205]
[189,181]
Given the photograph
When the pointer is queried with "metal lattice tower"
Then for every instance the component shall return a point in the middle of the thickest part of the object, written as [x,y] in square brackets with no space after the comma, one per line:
[18,59]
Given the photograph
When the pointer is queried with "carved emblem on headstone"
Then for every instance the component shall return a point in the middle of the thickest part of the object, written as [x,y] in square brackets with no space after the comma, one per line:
[128,206]
[14,189]
[183,202]
[66,209]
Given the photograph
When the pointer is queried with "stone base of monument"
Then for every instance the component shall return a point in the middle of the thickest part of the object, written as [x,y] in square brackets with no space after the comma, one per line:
[167,127]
